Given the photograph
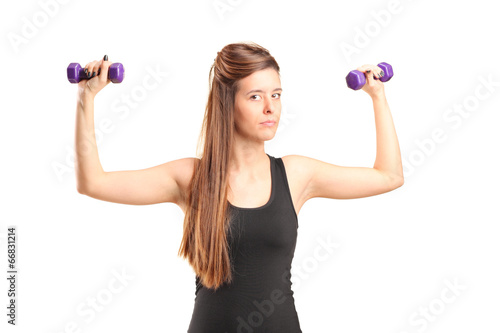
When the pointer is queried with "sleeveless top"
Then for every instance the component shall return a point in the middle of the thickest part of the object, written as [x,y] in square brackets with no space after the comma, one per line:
[262,244]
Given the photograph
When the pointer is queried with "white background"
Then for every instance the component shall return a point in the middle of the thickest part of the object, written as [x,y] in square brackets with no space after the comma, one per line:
[397,250]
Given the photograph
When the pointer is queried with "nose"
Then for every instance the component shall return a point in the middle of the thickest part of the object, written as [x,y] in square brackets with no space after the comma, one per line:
[269,106]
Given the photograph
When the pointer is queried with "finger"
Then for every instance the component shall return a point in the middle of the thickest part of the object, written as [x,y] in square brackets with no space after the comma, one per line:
[92,69]
[98,67]
[87,69]
[103,70]
[371,74]
[380,72]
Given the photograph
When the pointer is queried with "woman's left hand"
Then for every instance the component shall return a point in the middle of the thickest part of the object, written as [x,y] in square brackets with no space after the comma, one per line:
[372,87]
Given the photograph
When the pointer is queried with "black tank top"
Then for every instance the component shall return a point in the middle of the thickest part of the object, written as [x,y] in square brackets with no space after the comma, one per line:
[262,244]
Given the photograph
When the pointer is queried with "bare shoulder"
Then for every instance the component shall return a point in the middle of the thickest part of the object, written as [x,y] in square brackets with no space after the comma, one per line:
[298,163]
[295,163]
[298,171]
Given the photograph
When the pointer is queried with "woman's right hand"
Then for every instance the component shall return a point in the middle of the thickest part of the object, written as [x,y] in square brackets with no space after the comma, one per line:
[98,78]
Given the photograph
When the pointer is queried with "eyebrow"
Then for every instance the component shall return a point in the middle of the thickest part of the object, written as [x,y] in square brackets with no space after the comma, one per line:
[258,90]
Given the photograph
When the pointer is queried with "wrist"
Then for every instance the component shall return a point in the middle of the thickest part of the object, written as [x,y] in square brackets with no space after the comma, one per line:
[85,95]
[85,101]
[378,96]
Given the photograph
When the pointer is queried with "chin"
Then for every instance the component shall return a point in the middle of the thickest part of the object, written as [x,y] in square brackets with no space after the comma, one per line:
[270,137]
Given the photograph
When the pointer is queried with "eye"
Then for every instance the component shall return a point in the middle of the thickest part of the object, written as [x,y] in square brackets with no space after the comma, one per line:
[279,96]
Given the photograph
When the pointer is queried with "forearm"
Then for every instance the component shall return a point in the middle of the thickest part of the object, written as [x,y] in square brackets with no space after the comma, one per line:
[87,165]
[388,158]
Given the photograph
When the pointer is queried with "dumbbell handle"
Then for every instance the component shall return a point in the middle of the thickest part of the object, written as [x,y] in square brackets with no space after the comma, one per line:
[356,79]
[75,72]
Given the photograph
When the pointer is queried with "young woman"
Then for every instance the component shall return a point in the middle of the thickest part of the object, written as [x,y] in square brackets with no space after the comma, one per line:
[240,203]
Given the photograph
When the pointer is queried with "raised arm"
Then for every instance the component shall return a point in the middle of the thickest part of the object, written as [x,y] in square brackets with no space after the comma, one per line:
[322,179]
[166,182]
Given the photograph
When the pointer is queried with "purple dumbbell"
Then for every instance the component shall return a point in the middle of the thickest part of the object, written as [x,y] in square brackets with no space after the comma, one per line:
[356,79]
[76,73]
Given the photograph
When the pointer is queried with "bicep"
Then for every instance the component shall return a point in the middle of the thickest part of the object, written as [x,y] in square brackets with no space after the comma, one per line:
[161,183]
[332,181]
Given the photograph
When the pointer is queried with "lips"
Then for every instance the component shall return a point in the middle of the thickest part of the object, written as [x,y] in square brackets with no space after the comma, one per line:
[269,122]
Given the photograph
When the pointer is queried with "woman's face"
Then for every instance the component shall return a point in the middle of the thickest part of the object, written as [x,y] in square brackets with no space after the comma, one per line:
[258,100]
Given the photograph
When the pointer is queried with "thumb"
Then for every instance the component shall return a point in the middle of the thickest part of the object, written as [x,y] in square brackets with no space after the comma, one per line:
[104,69]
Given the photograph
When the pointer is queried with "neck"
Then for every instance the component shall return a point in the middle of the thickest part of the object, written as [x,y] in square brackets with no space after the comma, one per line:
[248,162]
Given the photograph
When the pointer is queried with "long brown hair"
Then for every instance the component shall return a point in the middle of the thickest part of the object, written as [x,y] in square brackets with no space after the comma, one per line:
[206,223]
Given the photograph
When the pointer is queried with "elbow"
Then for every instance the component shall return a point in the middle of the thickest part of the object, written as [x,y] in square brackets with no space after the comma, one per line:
[86,185]
[398,181]
[81,188]
[394,181]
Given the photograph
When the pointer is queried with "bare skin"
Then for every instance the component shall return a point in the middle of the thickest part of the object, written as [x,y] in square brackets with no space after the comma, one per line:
[249,167]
